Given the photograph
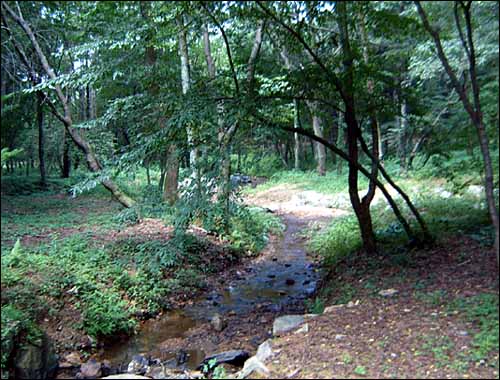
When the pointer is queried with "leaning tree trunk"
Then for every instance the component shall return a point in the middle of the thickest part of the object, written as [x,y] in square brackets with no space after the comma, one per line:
[92,161]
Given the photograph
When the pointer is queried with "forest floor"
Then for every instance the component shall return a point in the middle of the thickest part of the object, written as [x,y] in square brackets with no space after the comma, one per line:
[437,325]
[433,327]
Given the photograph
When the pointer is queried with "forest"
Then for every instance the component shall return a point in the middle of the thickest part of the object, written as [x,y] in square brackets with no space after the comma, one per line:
[249,189]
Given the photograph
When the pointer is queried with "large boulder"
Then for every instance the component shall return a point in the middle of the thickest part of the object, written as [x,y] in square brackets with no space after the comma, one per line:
[36,360]
[286,323]
[234,357]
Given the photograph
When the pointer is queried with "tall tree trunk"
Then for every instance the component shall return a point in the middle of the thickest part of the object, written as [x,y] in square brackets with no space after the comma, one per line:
[317,124]
[296,138]
[66,163]
[41,140]
[185,81]
[361,209]
[171,176]
[403,137]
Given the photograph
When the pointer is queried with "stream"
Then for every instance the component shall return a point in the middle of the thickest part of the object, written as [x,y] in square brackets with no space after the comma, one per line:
[278,282]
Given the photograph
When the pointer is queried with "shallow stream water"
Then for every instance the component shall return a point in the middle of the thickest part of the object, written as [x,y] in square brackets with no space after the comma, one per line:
[283,278]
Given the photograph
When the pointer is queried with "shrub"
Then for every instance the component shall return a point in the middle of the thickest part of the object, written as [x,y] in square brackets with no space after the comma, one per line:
[105,313]
[338,240]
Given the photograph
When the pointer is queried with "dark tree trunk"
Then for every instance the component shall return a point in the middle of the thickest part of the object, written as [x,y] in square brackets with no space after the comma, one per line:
[66,163]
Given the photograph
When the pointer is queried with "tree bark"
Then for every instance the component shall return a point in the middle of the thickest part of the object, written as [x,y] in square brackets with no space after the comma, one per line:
[41,140]
[361,209]
[185,82]
[317,124]
[66,163]
[296,137]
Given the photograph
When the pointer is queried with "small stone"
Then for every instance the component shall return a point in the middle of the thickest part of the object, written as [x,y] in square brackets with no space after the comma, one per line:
[462,333]
[286,323]
[91,369]
[303,330]
[254,365]
[234,357]
[290,281]
[388,293]
[340,336]
[73,358]
[139,365]
[264,351]
[333,308]
[271,275]
[218,323]
[394,355]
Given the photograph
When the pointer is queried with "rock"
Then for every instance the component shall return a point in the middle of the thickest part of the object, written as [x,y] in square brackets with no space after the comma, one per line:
[340,336]
[306,282]
[271,275]
[333,308]
[235,357]
[303,330]
[126,376]
[91,369]
[388,293]
[218,323]
[253,366]
[107,369]
[162,372]
[264,351]
[181,357]
[73,358]
[290,281]
[286,323]
[36,360]
[139,365]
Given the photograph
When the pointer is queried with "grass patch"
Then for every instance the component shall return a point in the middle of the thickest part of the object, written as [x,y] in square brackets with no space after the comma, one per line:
[482,311]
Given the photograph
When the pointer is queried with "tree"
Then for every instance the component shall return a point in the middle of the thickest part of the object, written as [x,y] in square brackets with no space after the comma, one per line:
[473,107]
[66,117]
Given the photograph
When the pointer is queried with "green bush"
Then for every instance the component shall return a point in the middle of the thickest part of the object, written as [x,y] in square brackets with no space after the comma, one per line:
[105,313]
[250,227]
[340,239]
